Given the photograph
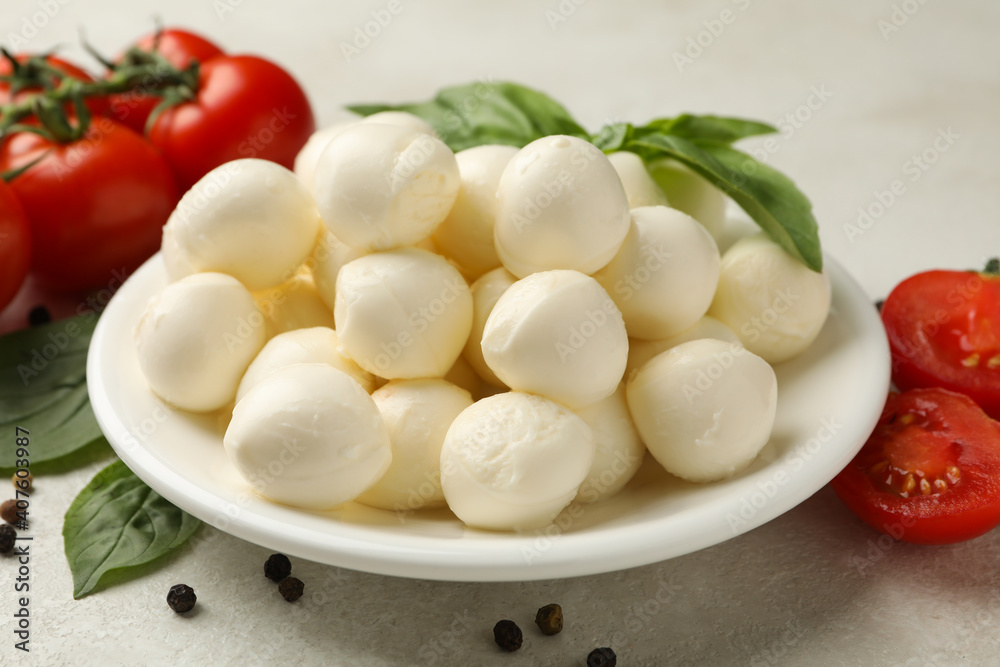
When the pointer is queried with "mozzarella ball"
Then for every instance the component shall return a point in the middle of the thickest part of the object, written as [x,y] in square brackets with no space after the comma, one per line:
[295,304]
[704,409]
[664,276]
[485,293]
[308,157]
[687,191]
[640,188]
[558,334]
[309,436]
[383,186]
[196,339]
[618,451]
[640,351]
[560,205]
[463,376]
[401,119]
[252,219]
[327,257]
[774,303]
[466,235]
[418,414]
[315,345]
[403,313]
[513,461]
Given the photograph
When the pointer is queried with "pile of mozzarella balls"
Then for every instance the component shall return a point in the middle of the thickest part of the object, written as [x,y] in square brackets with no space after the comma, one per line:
[501,330]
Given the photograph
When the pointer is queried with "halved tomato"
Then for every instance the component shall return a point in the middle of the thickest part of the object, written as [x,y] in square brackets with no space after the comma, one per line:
[930,472]
[944,331]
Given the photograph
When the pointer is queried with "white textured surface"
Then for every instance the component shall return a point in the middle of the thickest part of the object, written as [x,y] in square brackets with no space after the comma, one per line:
[812,587]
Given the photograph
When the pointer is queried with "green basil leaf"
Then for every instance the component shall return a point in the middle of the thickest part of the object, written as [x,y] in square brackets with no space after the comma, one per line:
[612,137]
[43,389]
[488,113]
[715,129]
[768,196]
[118,523]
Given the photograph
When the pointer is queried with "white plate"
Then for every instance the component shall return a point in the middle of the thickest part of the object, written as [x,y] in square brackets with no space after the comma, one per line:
[828,402]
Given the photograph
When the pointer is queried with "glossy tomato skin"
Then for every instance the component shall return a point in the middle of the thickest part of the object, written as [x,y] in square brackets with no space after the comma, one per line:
[246,107]
[96,206]
[179,48]
[15,245]
[937,436]
[944,331]
[96,105]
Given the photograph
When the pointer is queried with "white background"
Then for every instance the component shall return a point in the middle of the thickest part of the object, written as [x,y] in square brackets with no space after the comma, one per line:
[812,587]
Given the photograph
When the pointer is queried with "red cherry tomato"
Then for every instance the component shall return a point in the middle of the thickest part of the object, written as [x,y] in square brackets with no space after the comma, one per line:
[944,331]
[96,206]
[246,107]
[930,473]
[97,105]
[15,245]
[180,48]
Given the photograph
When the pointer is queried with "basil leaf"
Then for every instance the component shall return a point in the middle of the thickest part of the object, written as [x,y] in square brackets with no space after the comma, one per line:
[716,129]
[488,113]
[768,196]
[118,523]
[612,137]
[43,389]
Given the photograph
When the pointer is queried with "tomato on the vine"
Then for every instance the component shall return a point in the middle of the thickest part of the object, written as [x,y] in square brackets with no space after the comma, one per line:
[944,331]
[930,472]
[96,105]
[179,48]
[245,106]
[96,205]
[15,245]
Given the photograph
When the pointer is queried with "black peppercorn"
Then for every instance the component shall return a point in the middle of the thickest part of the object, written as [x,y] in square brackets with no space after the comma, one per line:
[277,567]
[507,635]
[8,511]
[7,537]
[602,657]
[39,315]
[181,598]
[291,589]
[549,619]
[22,482]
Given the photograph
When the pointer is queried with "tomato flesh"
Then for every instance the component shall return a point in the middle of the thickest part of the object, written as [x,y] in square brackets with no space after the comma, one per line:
[944,331]
[930,472]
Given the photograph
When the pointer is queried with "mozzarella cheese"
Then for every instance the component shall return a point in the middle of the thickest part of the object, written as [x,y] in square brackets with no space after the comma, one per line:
[557,334]
[308,157]
[485,293]
[704,409]
[309,436]
[640,351]
[687,191]
[403,313]
[774,303]
[196,338]
[664,276]
[560,205]
[466,235]
[513,461]
[252,219]
[640,188]
[618,451]
[384,186]
[417,414]
[315,345]
[295,304]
